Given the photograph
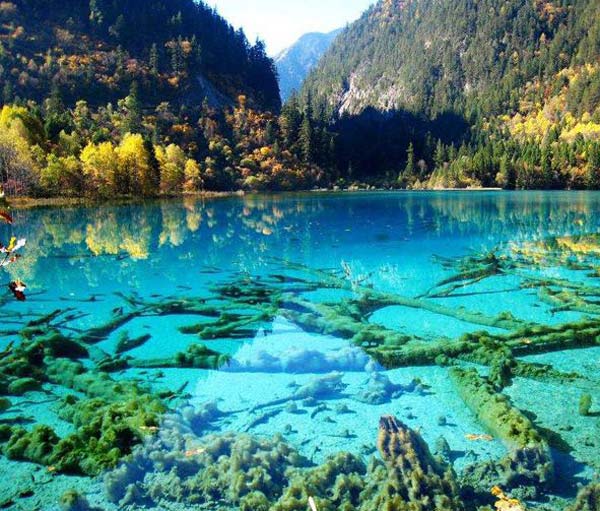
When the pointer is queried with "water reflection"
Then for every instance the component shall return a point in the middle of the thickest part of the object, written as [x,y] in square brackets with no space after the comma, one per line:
[248,229]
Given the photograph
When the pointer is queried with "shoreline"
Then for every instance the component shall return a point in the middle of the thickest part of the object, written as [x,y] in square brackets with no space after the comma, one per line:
[41,202]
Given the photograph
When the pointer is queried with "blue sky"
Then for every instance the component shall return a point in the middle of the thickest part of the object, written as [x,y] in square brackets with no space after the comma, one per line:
[281,22]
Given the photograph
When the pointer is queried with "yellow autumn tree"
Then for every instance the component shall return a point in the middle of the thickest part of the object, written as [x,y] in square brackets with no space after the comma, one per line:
[19,171]
[100,168]
[171,162]
[62,175]
[192,176]
[136,172]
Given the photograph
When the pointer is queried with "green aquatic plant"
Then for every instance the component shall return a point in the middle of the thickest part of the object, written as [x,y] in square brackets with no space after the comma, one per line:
[255,501]
[233,468]
[529,461]
[5,404]
[336,484]
[443,450]
[126,343]
[470,271]
[21,386]
[36,445]
[414,475]
[248,473]
[585,405]
[494,410]
[196,356]
[200,357]
[19,362]
[109,420]
[105,434]
[72,500]
[588,499]
[112,416]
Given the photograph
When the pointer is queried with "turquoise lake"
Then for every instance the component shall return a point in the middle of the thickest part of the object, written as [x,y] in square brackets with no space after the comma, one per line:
[307,308]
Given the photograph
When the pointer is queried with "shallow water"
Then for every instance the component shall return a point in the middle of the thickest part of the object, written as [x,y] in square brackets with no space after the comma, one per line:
[98,263]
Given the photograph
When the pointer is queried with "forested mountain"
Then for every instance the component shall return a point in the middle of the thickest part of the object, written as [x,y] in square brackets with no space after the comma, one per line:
[140,97]
[294,63]
[459,92]
[137,97]
[94,49]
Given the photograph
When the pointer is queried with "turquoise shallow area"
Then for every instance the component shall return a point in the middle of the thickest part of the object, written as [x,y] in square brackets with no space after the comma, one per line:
[92,260]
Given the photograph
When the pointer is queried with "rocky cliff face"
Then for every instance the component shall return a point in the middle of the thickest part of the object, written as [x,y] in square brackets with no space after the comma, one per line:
[437,56]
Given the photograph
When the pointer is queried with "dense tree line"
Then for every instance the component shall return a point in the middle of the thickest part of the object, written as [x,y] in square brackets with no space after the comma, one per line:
[136,97]
[95,49]
[132,97]
[465,92]
[120,150]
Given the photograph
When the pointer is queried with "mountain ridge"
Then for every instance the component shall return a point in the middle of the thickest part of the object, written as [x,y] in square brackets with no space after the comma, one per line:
[482,63]
[128,98]
[295,62]
[88,50]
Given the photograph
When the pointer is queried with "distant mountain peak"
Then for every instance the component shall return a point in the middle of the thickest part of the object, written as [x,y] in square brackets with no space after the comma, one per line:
[294,63]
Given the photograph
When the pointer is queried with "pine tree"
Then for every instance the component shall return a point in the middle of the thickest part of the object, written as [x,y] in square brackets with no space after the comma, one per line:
[54,104]
[290,122]
[546,166]
[7,93]
[507,173]
[306,136]
[57,117]
[96,16]
[410,169]
[119,28]
[176,58]
[196,52]
[439,157]
[593,167]
[154,60]
[305,139]
[120,64]
[132,122]
[270,133]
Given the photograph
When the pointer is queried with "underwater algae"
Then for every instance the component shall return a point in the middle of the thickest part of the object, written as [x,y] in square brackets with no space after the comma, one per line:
[269,474]
[148,451]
